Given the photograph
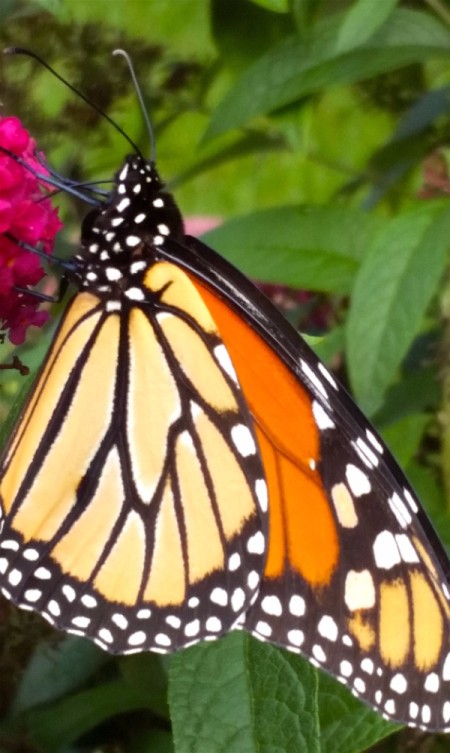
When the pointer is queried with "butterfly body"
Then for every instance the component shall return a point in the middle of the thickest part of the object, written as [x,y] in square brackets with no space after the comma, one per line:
[216,476]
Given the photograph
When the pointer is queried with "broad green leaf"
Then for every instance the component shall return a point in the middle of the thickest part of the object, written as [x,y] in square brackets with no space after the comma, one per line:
[392,289]
[240,696]
[317,248]
[361,21]
[299,67]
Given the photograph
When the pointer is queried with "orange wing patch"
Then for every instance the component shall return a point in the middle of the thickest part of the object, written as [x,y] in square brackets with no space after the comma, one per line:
[303,532]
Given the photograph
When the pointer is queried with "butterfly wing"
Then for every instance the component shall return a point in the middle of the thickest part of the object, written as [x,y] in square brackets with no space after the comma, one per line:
[355,578]
[141,519]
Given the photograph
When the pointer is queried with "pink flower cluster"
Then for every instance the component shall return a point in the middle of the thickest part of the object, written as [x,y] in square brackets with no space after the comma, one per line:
[25,215]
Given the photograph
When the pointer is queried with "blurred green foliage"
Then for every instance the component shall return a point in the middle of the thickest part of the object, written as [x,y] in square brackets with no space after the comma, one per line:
[318,132]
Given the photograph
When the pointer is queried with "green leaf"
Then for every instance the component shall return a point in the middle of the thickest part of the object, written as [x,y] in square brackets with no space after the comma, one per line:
[393,287]
[277,6]
[299,67]
[361,21]
[54,671]
[59,724]
[347,725]
[403,438]
[318,248]
[244,30]
[147,674]
[240,696]
[417,392]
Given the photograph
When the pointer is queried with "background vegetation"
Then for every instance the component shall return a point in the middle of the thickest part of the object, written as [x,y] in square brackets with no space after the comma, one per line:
[318,131]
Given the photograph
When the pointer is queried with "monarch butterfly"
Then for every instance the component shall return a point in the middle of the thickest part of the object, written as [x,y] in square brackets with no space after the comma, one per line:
[185,465]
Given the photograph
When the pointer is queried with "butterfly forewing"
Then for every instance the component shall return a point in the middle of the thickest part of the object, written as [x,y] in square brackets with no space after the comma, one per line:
[141,521]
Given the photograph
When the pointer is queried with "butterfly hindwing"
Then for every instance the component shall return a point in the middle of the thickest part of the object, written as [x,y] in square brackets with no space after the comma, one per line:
[355,578]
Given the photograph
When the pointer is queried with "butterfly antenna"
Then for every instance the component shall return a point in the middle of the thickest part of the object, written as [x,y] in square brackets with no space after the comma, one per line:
[138,91]
[29,53]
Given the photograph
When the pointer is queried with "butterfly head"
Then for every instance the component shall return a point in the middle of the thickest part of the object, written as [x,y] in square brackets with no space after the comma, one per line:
[137,218]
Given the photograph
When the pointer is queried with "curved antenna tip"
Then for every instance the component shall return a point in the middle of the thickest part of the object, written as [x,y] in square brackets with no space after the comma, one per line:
[138,91]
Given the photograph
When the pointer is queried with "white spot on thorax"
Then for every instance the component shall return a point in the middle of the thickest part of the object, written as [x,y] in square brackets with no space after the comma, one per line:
[132,241]
[113,274]
[135,294]
[124,204]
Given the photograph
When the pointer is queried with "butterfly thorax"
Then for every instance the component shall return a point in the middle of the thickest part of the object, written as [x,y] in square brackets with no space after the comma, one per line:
[121,238]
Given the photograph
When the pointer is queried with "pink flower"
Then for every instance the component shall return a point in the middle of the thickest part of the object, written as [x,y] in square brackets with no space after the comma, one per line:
[26,216]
